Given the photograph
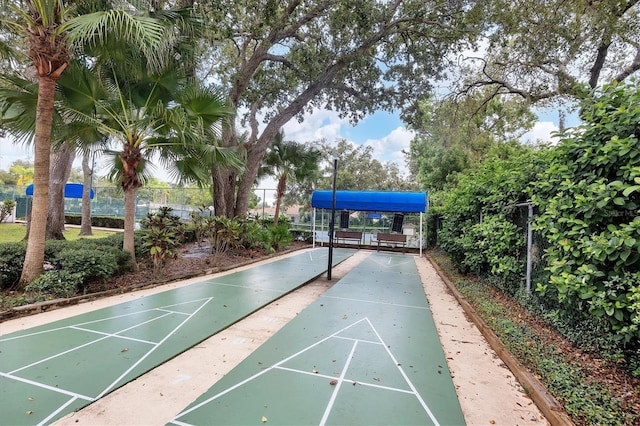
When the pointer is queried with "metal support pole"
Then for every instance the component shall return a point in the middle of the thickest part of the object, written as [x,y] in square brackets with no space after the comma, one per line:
[332,220]
[420,234]
[529,247]
[529,243]
[313,227]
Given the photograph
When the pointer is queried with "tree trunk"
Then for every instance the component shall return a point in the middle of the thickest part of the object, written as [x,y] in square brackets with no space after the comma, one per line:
[59,172]
[87,174]
[247,181]
[129,224]
[282,185]
[34,257]
[224,178]
[220,177]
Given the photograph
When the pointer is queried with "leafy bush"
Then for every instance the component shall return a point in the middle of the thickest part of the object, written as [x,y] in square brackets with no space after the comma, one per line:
[280,236]
[589,199]
[57,283]
[100,221]
[224,234]
[253,234]
[6,208]
[163,235]
[11,260]
[90,265]
[477,228]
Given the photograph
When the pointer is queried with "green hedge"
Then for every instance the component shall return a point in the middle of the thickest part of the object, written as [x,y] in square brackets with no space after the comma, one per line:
[92,258]
[99,221]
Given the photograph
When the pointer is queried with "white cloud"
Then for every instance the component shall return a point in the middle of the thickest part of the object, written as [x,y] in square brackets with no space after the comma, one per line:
[541,133]
[317,125]
[389,148]
[10,152]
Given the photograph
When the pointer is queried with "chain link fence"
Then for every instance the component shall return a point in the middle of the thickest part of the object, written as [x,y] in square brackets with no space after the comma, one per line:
[108,201]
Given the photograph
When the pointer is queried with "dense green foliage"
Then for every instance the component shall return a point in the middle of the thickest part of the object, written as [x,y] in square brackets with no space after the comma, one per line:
[100,221]
[588,402]
[78,262]
[163,234]
[451,135]
[587,194]
[478,214]
[589,199]
[6,209]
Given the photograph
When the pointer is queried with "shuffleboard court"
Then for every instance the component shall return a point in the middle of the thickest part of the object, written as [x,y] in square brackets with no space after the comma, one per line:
[54,369]
[365,353]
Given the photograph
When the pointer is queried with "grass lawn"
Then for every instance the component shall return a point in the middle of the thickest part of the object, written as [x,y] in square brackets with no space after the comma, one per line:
[13,232]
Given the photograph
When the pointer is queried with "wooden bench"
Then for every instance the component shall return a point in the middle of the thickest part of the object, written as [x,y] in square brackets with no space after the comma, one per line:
[349,236]
[392,240]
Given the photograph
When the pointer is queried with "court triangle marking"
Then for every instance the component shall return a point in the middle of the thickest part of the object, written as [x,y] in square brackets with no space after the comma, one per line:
[358,333]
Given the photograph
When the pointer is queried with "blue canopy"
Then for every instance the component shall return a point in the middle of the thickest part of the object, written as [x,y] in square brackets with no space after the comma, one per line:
[71,190]
[377,201]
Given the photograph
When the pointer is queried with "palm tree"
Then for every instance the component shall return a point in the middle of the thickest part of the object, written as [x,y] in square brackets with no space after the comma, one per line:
[50,35]
[288,160]
[165,113]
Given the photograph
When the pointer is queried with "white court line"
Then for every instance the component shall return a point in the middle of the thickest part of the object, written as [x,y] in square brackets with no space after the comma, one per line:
[406,378]
[112,335]
[389,388]
[98,320]
[55,413]
[266,370]
[150,351]
[332,400]
[170,311]
[413,391]
[58,354]
[91,399]
[346,379]
[376,302]
[84,345]
[47,387]
[249,287]
[359,340]
[309,373]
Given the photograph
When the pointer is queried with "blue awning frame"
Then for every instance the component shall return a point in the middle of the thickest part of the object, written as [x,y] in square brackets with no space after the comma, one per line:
[71,190]
[372,201]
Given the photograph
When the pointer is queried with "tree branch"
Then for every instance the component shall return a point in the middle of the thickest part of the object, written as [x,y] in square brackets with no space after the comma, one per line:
[626,72]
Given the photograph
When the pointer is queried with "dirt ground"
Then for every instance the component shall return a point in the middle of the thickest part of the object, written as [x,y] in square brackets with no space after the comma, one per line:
[488,392]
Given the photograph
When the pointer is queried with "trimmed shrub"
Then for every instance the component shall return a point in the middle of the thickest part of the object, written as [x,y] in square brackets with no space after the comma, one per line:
[11,261]
[57,284]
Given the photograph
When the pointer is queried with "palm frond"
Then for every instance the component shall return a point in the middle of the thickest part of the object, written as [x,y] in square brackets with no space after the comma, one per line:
[149,34]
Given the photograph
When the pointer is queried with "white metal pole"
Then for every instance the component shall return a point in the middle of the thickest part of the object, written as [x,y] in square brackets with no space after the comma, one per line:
[529,246]
[313,218]
[420,234]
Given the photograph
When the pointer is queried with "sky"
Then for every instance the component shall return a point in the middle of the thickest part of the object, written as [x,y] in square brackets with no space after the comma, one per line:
[383,131]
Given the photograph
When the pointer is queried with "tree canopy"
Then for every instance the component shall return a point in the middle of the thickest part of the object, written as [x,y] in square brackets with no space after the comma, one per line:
[279,60]
[544,51]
